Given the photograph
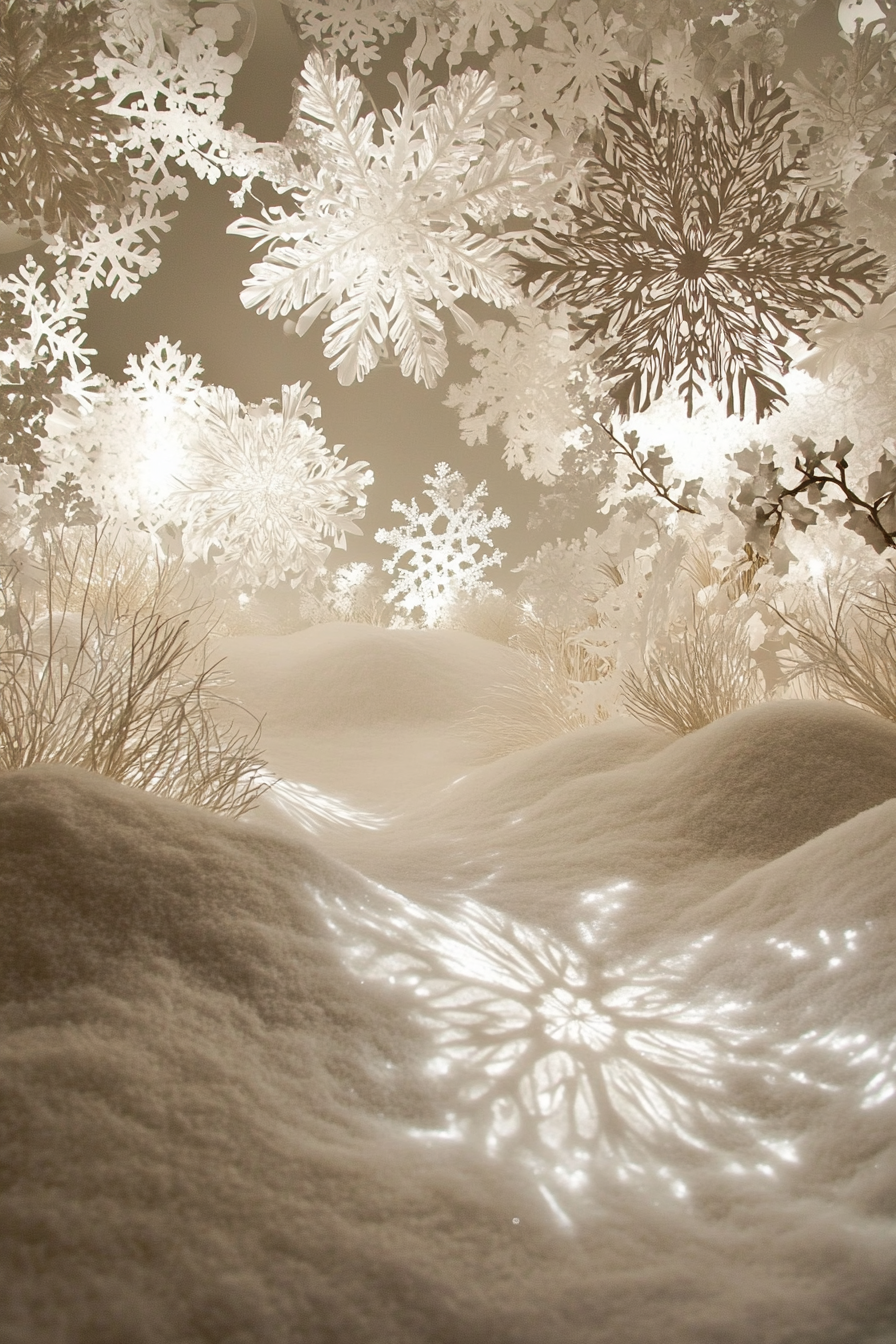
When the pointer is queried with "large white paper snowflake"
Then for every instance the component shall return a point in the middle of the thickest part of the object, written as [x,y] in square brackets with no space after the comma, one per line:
[380,238]
[262,493]
[440,549]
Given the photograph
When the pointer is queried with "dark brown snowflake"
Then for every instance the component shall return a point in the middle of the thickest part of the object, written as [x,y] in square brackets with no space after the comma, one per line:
[55,160]
[695,255]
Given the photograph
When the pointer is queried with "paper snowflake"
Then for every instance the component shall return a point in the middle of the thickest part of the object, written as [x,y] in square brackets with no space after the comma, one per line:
[562,80]
[522,387]
[164,78]
[691,254]
[51,323]
[56,157]
[380,239]
[165,371]
[441,547]
[262,495]
[356,28]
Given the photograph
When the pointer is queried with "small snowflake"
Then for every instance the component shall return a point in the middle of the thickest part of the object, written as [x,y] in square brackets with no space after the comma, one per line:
[563,79]
[674,61]
[114,254]
[523,388]
[354,31]
[441,547]
[165,371]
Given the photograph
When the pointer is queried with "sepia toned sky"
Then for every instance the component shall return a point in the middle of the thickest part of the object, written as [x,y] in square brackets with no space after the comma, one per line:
[401,428]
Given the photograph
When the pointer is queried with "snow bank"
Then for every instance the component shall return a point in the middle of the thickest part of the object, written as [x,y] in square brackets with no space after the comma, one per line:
[248,1097]
[341,676]
[365,716]
[540,831]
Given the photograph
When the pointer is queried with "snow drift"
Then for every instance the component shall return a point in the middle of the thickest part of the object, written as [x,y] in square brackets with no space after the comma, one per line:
[637,1086]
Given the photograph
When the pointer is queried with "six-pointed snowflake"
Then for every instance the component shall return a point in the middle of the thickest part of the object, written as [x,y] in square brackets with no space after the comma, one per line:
[442,547]
[692,255]
[381,238]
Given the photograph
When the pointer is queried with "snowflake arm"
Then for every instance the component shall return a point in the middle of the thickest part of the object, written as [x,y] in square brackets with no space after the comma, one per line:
[392,217]
[51,321]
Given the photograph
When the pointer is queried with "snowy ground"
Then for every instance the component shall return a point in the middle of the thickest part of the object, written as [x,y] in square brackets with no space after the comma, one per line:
[595,1043]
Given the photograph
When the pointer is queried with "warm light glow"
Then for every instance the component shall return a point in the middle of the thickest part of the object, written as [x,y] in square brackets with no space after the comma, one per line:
[630,1072]
[314,811]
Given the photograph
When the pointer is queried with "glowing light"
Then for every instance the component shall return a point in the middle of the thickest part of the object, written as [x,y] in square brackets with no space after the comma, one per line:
[314,810]
[568,1074]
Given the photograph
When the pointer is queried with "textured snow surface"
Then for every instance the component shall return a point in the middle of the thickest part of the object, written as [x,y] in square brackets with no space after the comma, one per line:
[605,1054]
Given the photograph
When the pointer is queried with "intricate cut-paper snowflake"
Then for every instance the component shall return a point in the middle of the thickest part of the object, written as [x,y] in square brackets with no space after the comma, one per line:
[523,387]
[440,549]
[356,28]
[625,1073]
[562,80]
[381,238]
[691,255]
[263,495]
[56,156]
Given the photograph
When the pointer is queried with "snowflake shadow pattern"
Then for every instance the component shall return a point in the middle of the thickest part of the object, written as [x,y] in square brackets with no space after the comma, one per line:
[630,1073]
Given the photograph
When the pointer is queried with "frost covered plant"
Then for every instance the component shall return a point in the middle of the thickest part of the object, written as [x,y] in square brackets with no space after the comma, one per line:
[551,693]
[263,495]
[381,238]
[440,549]
[103,666]
[702,673]
[845,647]
[523,388]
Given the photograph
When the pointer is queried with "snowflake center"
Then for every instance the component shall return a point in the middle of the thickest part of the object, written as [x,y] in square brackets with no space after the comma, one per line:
[692,264]
[574,1021]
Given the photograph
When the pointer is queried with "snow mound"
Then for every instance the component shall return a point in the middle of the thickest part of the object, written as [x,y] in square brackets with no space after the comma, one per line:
[685,820]
[342,676]
[248,1096]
